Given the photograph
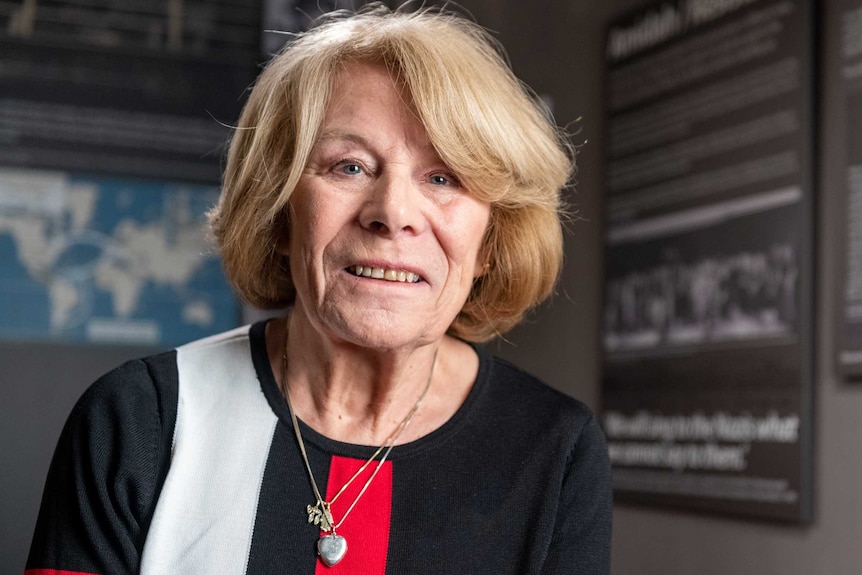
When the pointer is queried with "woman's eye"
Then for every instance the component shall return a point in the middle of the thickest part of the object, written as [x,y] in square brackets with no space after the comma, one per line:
[443,180]
[350,169]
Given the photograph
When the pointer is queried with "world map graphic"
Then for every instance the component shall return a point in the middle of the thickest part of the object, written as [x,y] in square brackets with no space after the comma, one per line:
[108,261]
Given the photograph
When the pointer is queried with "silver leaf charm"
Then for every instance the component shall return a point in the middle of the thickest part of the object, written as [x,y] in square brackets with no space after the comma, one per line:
[320,517]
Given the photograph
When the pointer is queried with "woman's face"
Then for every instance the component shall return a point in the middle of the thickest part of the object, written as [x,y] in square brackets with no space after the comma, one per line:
[385,242]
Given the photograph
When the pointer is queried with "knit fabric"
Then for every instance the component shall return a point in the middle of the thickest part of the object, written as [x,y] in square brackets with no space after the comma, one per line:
[186,462]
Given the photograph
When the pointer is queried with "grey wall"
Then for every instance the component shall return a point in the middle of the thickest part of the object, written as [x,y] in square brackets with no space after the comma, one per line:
[557,48]
[39,384]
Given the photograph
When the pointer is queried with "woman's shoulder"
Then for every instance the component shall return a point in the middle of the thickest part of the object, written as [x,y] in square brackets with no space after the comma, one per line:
[109,462]
[129,405]
[139,386]
[520,399]
[527,390]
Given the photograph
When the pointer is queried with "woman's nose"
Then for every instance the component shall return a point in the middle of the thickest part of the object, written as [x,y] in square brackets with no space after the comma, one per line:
[393,206]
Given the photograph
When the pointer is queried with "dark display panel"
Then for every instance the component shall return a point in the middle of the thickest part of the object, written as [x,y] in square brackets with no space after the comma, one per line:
[707,327]
[843,59]
[131,87]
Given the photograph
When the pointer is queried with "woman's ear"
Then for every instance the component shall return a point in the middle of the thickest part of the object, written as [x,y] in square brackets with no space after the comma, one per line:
[481,270]
[283,244]
[482,264]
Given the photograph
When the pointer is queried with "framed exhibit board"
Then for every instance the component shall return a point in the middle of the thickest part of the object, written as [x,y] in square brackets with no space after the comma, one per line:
[842,137]
[707,326]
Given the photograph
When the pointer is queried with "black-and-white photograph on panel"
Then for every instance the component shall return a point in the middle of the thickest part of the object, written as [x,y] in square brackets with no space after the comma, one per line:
[842,177]
[707,321]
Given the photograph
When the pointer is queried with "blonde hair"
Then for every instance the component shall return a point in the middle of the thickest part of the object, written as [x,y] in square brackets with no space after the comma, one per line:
[489,130]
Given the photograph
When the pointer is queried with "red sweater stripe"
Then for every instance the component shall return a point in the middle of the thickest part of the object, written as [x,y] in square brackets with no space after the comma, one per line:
[367,527]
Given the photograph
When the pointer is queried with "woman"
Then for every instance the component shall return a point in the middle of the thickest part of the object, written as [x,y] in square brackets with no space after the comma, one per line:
[392,183]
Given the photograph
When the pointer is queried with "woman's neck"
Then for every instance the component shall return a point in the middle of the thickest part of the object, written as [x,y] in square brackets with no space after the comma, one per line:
[357,395]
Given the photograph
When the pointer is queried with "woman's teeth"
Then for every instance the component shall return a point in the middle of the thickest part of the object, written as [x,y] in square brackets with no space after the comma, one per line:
[384,274]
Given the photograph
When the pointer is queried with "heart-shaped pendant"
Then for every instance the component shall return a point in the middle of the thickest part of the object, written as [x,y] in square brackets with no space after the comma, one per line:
[331,548]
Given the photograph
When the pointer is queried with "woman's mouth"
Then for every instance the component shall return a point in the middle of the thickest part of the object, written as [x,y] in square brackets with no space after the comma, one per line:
[384,274]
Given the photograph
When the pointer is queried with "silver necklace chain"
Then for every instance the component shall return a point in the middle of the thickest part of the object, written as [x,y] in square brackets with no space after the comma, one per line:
[320,513]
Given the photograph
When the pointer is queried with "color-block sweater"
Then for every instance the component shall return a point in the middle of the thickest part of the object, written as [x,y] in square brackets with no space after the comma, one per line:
[187,463]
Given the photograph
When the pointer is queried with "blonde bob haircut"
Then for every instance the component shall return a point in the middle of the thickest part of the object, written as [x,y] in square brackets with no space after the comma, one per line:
[494,135]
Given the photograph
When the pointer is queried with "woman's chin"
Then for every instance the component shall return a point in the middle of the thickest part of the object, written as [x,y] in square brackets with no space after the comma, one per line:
[384,332]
